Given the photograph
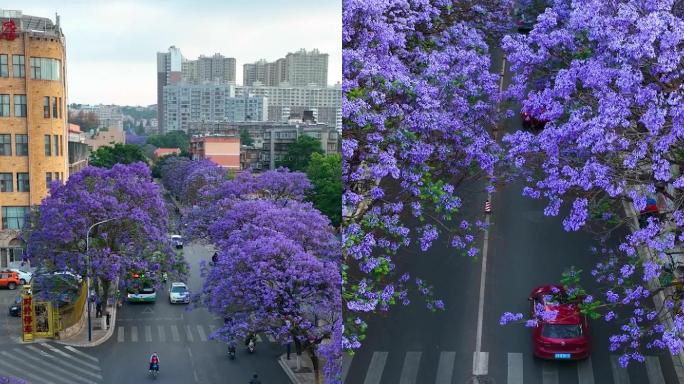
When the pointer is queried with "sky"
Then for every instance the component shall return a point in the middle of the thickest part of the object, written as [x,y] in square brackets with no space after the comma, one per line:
[112,45]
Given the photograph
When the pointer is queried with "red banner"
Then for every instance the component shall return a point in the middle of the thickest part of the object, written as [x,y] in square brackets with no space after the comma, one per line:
[27,316]
[9,30]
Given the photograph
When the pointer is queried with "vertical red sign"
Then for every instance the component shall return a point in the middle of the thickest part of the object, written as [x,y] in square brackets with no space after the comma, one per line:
[27,316]
[9,30]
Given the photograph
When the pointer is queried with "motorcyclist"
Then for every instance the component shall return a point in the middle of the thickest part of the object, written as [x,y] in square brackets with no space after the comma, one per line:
[255,379]
[154,362]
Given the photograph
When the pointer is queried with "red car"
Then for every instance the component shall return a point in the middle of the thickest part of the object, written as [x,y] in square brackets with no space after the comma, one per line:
[531,122]
[566,337]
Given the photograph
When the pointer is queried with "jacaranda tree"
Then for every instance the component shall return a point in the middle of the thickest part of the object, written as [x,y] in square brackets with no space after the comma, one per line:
[419,100]
[132,240]
[607,75]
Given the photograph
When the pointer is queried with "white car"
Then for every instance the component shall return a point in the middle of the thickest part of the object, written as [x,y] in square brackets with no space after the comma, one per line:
[177,240]
[178,293]
[24,277]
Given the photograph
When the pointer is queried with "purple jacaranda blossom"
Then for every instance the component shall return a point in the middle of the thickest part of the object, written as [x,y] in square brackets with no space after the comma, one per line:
[508,317]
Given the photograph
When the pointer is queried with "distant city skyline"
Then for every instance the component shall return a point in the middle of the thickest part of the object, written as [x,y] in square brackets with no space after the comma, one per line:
[112,46]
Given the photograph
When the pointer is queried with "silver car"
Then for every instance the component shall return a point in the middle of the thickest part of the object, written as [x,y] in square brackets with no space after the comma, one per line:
[178,293]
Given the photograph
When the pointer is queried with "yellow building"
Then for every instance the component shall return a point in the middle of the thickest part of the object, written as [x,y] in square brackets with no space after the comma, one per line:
[33,115]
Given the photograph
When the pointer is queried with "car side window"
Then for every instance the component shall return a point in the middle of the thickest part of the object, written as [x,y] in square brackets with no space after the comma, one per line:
[4,276]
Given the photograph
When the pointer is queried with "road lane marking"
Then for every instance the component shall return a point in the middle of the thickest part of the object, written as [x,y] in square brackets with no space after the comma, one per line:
[346,364]
[620,375]
[409,371]
[480,363]
[72,366]
[654,371]
[134,333]
[22,372]
[174,333]
[82,354]
[585,371]
[202,334]
[120,335]
[188,334]
[445,368]
[515,368]
[148,333]
[549,373]
[50,366]
[162,333]
[377,365]
[68,356]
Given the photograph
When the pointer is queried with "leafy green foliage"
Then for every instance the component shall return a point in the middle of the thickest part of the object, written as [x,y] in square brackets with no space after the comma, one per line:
[325,173]
[175,139]
[106,157]
[299,153]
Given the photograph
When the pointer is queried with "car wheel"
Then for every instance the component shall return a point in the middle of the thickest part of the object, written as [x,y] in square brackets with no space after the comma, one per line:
[11,285]
[22,281]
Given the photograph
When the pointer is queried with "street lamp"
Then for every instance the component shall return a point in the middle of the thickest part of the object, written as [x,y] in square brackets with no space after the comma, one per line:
[90,336]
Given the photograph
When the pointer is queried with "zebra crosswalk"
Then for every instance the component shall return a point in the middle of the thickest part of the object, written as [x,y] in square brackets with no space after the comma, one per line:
[171,333]
[381,367]
[50,363]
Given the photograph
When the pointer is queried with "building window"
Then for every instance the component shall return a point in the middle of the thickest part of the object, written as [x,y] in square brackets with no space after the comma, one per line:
[48,179]
[21,148]
[19,105]
[4,67]
[61,145]
[4,106]
[48,146]
[60,107]
[43,68]
[18,66]
[5,145]
[54,108]
[56,143]
[23,182]
[11,255]
[46,107]
[6,184]
[14,217]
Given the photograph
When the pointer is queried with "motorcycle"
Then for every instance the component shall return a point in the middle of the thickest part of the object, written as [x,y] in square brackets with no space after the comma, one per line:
[251,345]
[231,352]
[155,370]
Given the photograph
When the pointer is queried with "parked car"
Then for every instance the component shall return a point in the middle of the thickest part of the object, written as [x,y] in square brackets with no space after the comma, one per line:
[177,240]
[178,293]
[15,307]
[9,279]
[532,122]
[24,276]
[566,337]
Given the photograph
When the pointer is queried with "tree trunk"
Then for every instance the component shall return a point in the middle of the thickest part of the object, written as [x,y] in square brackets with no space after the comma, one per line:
[316,363]
[105,294]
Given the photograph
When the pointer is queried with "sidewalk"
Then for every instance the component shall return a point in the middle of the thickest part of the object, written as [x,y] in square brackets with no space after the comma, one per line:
[304,375]
[100,332]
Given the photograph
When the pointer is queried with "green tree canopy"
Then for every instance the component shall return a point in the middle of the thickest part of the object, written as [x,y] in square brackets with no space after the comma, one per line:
[106,157]
[174,139]
[325,173]
[299,152]
[245,138]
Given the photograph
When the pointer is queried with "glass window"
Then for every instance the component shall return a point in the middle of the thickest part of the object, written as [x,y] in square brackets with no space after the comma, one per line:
[18,66]
[14,217]
[562,331]
[4,105]
[48,179]
[56,144]
[23,182]
[21,145]
[5,145]
[6,184]
[46,106]
[54,108]
[48,146]
[61,145]
[4,67]
[60,107]
[19,105]
[43,68]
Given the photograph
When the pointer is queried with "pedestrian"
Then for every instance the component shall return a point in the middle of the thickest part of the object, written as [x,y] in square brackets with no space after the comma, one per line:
[214,258]
[98,307]
[255,379]
[289,348]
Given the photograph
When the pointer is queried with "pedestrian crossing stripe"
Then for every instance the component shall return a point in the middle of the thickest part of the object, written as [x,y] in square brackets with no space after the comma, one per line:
[374,371]
[48,363]
[179,333]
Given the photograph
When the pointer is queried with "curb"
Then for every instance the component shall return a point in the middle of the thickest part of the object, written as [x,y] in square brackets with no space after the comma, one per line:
[101,340]
[288,371]
[659,299]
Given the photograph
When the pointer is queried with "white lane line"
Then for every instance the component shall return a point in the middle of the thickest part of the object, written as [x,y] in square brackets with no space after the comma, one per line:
[12,370]
[82,354]
[68,356]
[174,333]
[515,368]
[409,372]
[346,364]
[162,333]
[445,369]
[585,371]
[620,375]
[549,373]
[501,81]
[479,360]
[83,371]
[134,333]
[377,365]
[50,367]
[202,334]
[655,373]
[188,334]
[148,333]
[480,363]
[120,337]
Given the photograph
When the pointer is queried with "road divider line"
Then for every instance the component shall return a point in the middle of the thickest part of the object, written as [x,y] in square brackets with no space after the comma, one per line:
[480,363]
[483,278]
[377,365]
[120,334]
[585,371]
[653,370]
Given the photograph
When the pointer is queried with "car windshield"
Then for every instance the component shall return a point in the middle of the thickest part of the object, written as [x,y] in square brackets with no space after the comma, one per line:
[561,331]
[178,289]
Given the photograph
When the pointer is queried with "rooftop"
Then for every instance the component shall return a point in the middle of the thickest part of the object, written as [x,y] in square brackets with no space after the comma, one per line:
[32,24]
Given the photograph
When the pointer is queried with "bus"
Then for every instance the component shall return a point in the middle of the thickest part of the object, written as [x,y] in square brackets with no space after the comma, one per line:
[141,289]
